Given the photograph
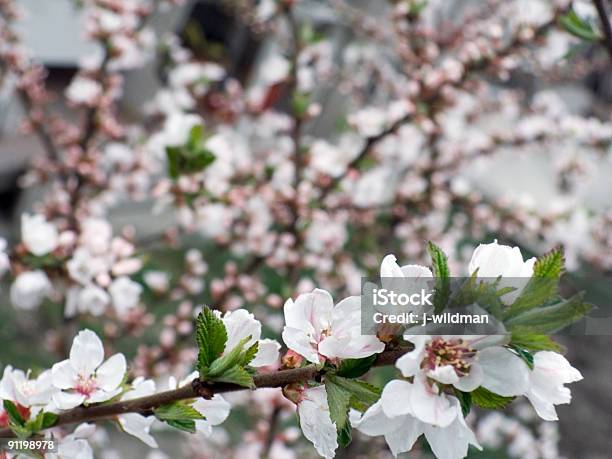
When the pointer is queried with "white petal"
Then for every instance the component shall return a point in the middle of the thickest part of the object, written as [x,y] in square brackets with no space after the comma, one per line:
[452,441]
[429,406]
[416,271]
[111,373]
[390,268]
[373,422]
[102,395]
[67,401]
[505,373]
[298,341]
[86,353]
[239,325]
[63,375]
[74,449]
[407,431]
[316,309]
[410,364]
[395,398]
[472,380]
[138,426]
[267,353]
[445,374]
[216,410]
[315,422]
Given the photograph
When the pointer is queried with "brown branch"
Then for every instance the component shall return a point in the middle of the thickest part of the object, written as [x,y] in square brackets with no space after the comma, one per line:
[606,41]
[146,405]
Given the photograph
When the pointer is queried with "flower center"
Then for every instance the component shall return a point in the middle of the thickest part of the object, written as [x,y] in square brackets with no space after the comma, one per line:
[86,385]
[454,352]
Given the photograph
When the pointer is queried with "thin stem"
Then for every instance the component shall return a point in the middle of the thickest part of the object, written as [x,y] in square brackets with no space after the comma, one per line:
[146,405]
[605,25]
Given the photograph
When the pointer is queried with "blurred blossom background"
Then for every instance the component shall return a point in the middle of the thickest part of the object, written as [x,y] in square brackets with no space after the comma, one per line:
[236,153]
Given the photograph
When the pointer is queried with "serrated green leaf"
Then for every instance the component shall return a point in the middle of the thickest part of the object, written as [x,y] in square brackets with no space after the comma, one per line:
[338,400]
[211,337]
[552,264]
[233,358]
[186,425]
[177,411]
[542,287]
[250,354]
[578,27]
[442,274]
[364,394]
[236,375]
[550,319]
[354,368]
[486,399]
[534,342]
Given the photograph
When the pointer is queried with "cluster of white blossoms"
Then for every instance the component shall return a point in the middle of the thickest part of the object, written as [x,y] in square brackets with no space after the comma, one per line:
[86,378]
[424,399]
[420,402]
[97,264]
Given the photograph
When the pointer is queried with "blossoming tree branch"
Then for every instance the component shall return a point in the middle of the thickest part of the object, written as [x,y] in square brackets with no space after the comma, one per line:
[247,299]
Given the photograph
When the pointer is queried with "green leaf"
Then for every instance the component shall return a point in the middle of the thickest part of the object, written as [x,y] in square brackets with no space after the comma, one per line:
[486,399]
[354,368]
[465,399]
[189,158]
[13,413]
[578,27]
[211,337]
[236,375]
[551,319]
[534,342]
[442,275]
[49,420]
[177,411]
[363,394]
[231,359]
[542,287]
[250,354]
[186,425]
[338,400]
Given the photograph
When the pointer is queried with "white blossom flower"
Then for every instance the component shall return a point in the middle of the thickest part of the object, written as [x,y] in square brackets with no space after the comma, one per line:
[30,289]
[93,299]
[550,372]
[18,386]
[315,328]
[85,377]
[241,324]
[83,266]
[75,445]
[158,281]
[467,362]
[96,235]
[83,91]
[494,260]
[125,294]
[449,438]
[134,423]
[315,421]
[38,235]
